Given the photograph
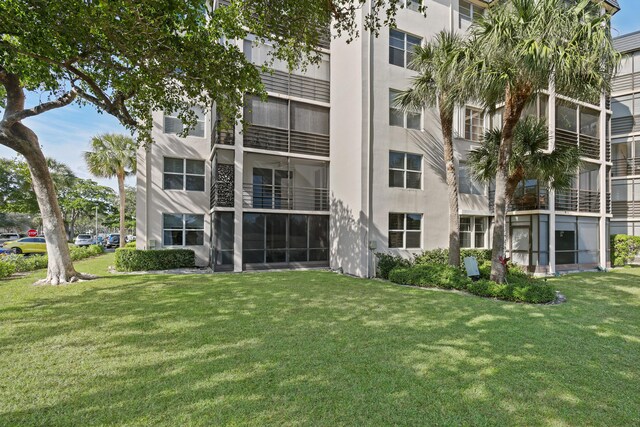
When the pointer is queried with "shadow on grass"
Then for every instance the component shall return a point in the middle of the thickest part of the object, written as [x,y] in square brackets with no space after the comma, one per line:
[317,348]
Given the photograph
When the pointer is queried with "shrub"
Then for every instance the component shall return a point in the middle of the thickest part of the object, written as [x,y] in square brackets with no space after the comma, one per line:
[442,276]
[387,262]
[520,287]
[441,256]
[6,268]
[623,249]
[142,260]
[130,245]
[485,269]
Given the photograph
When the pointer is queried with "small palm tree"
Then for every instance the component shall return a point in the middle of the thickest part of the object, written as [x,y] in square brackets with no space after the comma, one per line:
[519,47]
[113,155]
[440,63]
[528,160]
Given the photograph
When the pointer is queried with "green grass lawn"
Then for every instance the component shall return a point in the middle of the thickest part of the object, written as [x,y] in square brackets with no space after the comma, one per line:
[300,348]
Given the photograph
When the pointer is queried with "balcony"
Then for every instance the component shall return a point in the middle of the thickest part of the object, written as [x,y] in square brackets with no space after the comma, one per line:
[588,146]
[531,197]
[625,209]
[578,201]
[289,141]
[266,196]
[625,167]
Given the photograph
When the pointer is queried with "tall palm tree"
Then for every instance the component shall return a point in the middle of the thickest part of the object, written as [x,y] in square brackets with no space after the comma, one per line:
[528,160]
[439,64]
[113,155]
[523,46]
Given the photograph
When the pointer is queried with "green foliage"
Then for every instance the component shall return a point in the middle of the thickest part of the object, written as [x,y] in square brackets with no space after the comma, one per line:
[387,262]
[520,287]
[623,249]
[146,260]
[438,275]
[6,268]
[22,263]
[130,245]
[441,256]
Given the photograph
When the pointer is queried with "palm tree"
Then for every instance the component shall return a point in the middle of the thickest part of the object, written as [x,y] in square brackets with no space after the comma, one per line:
[113,155]
[521,47]
[528,160]
[440,63]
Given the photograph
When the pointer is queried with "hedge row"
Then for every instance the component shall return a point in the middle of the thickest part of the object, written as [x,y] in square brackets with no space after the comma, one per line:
[387,262]
[520,288]
[624,249]
[145,260]
[10,264]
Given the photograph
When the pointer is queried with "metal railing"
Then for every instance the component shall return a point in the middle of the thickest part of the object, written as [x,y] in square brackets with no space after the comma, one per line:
[625,209]
[532,197]
[624,167]
[588,146]
[578,201]
[566,138]
[276,139]
[267,196]
[221,195]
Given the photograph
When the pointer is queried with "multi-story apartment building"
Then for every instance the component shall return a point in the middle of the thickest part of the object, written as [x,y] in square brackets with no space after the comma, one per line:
[328,172]
[625,138]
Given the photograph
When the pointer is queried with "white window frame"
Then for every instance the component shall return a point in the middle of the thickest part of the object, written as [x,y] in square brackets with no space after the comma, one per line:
[407,48]
[413,5]
[473,232]
[184,229]
[473,131]
[184,174]
[404,170]
[474,10]
[174,116]
[404,231]
[394,93]
[472,184]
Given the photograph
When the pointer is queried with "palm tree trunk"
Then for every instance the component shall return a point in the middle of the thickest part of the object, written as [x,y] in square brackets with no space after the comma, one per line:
[514,104]
[446,121]
[121,194]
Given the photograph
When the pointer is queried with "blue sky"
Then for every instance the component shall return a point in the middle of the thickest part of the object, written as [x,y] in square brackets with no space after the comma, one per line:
[66,133]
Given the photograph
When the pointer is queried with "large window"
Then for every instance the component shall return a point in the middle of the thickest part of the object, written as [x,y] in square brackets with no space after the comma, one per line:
[405,170]
[173,124]
[465,182]
[183,229]
[282,238]
[281,113]
[402,47]
[473,124]
[473,232]
[468,12]
[398,117]
[405,230]
[183,174]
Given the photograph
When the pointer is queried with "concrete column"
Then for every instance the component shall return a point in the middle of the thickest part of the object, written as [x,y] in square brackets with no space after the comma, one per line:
[552,193]
[237,201]
[602,229]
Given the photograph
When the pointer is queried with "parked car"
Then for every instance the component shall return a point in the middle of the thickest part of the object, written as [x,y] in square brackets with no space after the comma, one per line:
[8,237]
[100,240]
[27,245]
[4,251]
[113,241]
[130,238]
[84,240]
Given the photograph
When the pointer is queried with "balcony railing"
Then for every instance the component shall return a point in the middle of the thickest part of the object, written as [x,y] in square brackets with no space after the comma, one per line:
[578,201]
[221,194]
[532,197]
[624,167]
[266,196]
[588,146]
[625,209]
[276,139]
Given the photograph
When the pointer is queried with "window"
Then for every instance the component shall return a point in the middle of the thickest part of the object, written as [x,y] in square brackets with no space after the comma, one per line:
[173,124]
[282,114]
[402,47]
[183,174]
[405,170]
[472,232]
[466,184]
[405,230]
[413,4]
[183,229]
[468,12]
[473,124]
[397,117]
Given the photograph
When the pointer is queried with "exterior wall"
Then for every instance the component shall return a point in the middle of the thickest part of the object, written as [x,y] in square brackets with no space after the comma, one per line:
[153,200]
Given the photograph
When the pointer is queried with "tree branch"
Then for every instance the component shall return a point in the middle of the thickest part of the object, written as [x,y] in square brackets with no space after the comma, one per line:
[62,101]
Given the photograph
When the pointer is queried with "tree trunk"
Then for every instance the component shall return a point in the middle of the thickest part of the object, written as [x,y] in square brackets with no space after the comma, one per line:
[20,138]
[446,122]
[122,195]
[515,101]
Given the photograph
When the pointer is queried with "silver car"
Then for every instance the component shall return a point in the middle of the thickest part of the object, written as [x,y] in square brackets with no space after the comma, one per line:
[8,237]
[85,240]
